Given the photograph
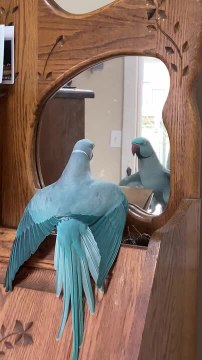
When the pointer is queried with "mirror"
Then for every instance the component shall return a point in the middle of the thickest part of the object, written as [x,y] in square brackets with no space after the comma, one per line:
[117,104]
[80,6]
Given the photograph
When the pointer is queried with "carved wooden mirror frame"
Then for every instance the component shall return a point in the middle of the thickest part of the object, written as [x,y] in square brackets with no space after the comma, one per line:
[52,46]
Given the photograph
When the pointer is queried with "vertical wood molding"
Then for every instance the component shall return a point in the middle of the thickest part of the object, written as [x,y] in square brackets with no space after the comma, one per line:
[17,174]
[166,314]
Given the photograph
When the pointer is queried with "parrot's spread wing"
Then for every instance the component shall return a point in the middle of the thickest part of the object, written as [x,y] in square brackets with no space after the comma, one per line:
[107,232]
[29,236]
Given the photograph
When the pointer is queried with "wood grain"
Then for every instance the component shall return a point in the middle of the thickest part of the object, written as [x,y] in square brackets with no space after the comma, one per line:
[62,125]
[165,317]
[147,295]
[26,306]
[50,41]
[44,310]
[17,181]
[151,304]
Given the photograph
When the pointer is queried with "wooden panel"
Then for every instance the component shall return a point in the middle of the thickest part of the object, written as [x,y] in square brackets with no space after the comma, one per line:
[17,176]
[149,290]
[109,326]
[33,306]
[61,126]
[151,303]
[165,318]
[2,120]
[107,332]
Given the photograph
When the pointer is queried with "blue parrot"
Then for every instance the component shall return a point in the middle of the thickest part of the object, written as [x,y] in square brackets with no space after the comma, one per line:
[151,175]
[89,216]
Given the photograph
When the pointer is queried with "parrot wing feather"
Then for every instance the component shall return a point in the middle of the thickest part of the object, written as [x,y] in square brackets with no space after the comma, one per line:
[108,235]
[29,236]
[131,178]
[76,256]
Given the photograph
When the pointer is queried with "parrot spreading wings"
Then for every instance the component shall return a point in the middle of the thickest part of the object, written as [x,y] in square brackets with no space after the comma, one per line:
[89,216]
[151,175]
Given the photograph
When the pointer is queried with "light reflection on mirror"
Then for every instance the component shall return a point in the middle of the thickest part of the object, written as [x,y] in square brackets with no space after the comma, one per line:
[122,100]
[81,6]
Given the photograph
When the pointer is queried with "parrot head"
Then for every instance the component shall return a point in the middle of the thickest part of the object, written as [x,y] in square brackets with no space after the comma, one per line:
[84,146]
[142,148]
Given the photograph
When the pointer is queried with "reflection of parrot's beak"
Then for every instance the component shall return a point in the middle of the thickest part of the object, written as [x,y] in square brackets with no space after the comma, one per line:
[135,149]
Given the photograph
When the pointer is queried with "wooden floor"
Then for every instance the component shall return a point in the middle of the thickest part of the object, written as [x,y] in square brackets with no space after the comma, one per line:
[112,317]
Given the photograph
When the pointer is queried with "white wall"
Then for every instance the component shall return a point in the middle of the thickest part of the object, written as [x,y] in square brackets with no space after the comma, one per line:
[104,114]
[82,6]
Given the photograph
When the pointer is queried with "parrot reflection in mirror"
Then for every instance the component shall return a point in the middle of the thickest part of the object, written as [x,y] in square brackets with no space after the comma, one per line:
[89,216]
[151,175]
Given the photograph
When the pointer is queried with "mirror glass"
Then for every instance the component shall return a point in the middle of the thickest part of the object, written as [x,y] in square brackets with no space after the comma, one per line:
[81,6]
[118,104]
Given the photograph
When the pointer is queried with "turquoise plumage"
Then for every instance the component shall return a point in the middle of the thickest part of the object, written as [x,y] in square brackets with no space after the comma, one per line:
[151,173]
[89,216]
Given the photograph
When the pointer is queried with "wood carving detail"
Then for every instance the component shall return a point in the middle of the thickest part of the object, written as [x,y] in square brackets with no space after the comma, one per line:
[158,15]
[19,333]
[60,41]
[6,13]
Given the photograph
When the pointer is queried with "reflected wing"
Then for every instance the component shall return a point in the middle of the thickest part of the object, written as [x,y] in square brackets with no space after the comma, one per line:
[107,232]
[132,181]
[29,236]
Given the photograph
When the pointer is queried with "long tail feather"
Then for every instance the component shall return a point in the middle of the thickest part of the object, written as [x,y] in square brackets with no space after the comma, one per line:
[76,257]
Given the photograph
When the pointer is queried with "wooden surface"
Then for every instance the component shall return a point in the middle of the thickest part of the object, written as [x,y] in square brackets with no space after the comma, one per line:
[112,316]
[33,306]
[17,175]
[166,314]
[150,307]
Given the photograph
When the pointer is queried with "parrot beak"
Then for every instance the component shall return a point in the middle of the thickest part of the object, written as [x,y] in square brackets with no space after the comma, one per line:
[135,149]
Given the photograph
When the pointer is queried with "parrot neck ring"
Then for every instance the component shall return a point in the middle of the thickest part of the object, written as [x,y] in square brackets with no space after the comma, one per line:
[143,157]
[81,151]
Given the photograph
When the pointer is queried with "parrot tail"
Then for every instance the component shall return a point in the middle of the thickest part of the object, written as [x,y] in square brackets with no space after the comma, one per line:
[76,256]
